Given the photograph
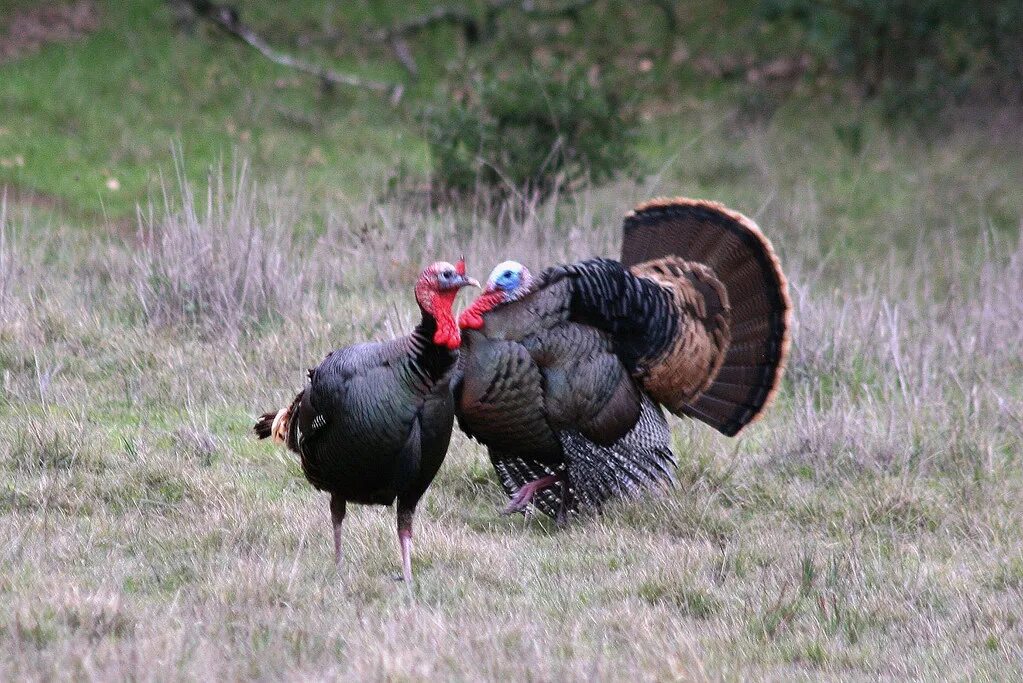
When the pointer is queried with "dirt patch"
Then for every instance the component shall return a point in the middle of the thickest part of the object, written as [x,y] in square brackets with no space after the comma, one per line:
[32,27]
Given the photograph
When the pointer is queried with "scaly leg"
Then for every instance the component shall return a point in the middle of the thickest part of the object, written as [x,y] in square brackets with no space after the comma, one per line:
[524,495]
[405,514]
[337,515]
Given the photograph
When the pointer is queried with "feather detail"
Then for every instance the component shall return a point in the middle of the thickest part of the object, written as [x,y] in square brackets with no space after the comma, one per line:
[279,428]
[597,473]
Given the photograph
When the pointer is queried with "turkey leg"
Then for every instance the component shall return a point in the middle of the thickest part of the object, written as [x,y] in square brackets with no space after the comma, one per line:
[405,514]
[337,515]
[524,495]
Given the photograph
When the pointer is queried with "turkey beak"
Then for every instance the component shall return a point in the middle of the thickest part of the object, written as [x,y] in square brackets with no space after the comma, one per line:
[468,282]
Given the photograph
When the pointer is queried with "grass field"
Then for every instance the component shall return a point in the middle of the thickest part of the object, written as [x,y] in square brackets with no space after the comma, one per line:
[867,528]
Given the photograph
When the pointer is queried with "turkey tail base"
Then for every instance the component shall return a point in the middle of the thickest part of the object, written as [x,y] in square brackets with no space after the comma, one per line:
[277,425]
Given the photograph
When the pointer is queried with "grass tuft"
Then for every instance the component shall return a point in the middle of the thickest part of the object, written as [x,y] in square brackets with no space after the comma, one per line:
[223,265]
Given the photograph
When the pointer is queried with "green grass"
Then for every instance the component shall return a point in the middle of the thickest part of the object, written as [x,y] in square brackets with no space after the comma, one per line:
[116,104]
[858,531]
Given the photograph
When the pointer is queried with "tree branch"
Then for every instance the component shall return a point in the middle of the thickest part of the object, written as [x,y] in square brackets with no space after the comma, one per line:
[226,18]
[567,9]
[440,15]
[471,24]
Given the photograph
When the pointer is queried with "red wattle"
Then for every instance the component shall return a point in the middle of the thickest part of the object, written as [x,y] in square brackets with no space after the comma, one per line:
[448,338]
[447,335]
[472,317]
[470,320]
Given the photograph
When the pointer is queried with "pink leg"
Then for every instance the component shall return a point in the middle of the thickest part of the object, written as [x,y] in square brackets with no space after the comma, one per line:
[524,496]
[405,542]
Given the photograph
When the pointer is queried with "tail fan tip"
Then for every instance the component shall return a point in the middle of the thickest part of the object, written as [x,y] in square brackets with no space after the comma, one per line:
[742,257]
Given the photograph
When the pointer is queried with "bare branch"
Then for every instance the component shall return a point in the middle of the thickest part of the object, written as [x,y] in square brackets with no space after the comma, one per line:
[226,17]
[403,52]
[471,24]
[567,9]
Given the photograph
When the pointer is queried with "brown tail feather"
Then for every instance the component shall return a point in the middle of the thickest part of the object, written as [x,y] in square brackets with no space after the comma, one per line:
[743,260]
[264,425]
[277,425]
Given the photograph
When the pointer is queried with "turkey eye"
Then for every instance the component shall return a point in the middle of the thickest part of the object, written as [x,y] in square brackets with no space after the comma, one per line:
[507,274]
[446,274]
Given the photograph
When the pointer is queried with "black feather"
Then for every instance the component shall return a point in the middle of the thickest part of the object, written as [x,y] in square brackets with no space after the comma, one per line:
[638,313]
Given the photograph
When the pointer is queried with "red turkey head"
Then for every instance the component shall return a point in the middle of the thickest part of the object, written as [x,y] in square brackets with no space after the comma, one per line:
[508,281]
[436,290]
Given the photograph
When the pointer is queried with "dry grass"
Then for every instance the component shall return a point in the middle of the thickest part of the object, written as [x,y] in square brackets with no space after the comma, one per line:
[867,528]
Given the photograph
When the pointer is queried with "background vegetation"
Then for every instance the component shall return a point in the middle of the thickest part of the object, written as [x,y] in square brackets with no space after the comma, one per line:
[188,226]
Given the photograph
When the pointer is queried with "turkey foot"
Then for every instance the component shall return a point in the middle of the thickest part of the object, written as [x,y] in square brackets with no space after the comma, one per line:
[524,496]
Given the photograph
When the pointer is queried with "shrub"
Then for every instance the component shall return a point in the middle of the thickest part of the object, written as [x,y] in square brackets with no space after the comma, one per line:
[913,53]
[529,131]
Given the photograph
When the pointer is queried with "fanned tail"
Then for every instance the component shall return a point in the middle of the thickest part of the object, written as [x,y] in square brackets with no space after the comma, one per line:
[277,425]
[742,259]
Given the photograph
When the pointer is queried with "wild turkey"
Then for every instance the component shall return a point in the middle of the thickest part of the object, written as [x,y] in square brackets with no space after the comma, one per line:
[562,375]
[372,425]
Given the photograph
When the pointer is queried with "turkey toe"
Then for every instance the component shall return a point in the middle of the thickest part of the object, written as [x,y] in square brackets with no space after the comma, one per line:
[524,496]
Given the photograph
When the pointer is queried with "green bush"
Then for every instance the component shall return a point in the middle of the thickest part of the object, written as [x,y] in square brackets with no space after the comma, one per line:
[528,131]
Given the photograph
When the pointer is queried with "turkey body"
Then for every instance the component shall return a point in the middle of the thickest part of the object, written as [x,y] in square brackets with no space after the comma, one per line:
[564,384]
[550,394]
[373,423]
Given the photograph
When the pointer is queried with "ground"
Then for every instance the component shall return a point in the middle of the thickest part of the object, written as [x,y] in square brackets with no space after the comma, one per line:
[868,527]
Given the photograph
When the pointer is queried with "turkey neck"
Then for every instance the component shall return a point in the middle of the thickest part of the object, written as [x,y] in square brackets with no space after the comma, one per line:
[430,359]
